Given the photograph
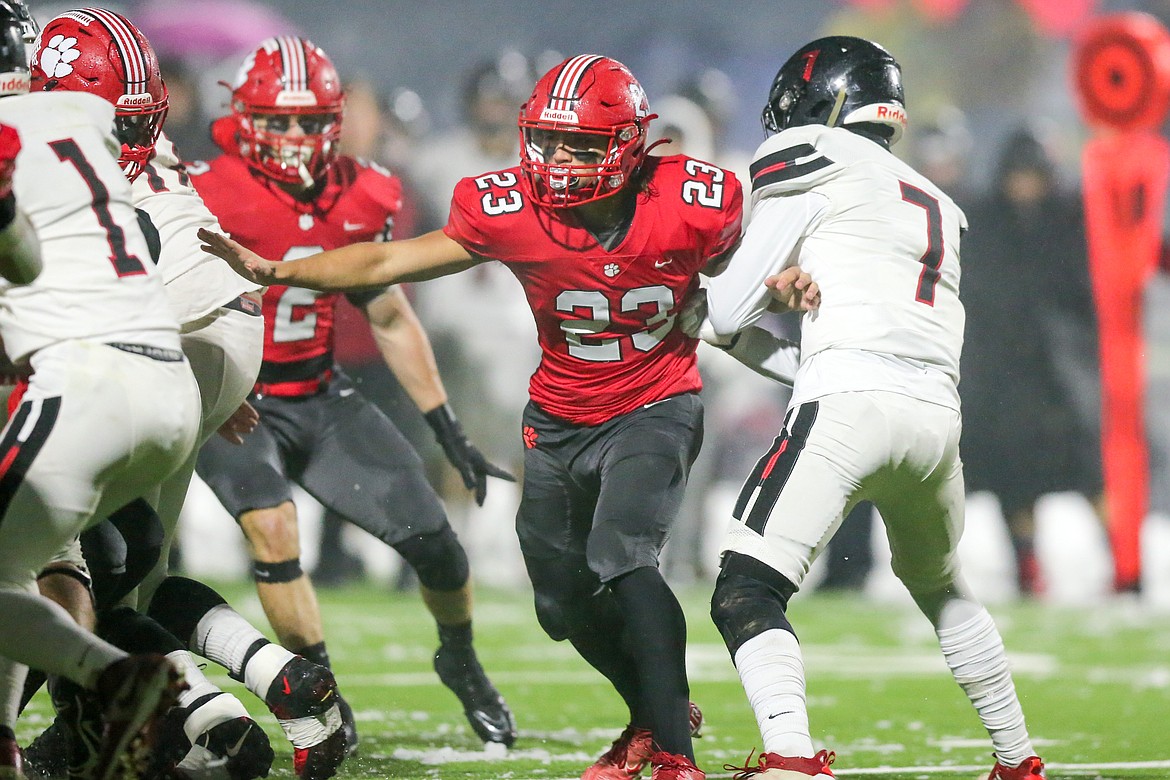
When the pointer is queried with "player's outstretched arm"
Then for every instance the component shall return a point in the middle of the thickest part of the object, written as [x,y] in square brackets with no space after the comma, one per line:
[350,267]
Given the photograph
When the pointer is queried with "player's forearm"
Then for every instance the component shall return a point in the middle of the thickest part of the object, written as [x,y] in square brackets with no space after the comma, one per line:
[766,354]
[407,351]
[346,268]
[20,251]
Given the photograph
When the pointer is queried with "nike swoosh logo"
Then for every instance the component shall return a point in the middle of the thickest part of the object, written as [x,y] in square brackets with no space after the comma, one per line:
[778,714]
[287,688]
[347,225]
[660,263]
[235,749]
[346,393]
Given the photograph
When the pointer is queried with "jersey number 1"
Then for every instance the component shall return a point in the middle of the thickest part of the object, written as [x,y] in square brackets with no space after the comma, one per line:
[125,264]
[932,259]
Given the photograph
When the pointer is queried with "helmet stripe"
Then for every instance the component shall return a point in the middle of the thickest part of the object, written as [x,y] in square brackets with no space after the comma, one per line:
[292,58]
[565,88]
[133,58]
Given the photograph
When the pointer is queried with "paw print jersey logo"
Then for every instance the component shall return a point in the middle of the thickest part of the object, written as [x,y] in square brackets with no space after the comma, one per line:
[530,436]
[611,269]
[57,56]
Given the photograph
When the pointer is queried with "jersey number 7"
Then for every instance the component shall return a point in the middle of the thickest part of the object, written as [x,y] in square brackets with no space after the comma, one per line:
[932,259]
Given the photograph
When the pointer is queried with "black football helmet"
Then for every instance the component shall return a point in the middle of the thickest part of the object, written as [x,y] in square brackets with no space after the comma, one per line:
[839,81]
[17,33]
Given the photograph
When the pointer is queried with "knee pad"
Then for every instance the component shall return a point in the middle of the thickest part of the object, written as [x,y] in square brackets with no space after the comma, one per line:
[179,604]
[127,629]
[142,530]
[438,559]
[750,598]
[569,600]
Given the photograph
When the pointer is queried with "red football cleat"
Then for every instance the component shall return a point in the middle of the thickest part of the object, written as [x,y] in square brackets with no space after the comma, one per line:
[1032,767]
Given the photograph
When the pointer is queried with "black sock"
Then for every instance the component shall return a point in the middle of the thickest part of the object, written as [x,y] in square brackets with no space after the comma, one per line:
[315,653]
[456,636]
[655,634]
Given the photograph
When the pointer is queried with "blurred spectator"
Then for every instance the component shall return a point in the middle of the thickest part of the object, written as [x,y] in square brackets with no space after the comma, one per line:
[186,121]
[1030,382]
[941,149]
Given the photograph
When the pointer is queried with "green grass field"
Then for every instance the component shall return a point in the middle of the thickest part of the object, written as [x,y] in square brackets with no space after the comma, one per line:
[1095,684]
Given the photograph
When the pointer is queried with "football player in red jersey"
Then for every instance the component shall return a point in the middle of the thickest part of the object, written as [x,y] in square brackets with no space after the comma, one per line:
[282,186]
[607,243]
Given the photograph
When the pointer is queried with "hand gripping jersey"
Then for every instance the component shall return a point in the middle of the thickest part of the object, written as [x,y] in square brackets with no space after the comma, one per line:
[98,280]
[606,319]
[884,249]
[357,203]
[196,283]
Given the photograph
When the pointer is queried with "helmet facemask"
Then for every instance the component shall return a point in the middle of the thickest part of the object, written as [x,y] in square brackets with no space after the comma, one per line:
[301,159]
[138,129]
[599,167]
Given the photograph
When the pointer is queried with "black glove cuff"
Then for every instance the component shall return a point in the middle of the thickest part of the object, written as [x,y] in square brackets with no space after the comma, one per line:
[7,210]
[444,423]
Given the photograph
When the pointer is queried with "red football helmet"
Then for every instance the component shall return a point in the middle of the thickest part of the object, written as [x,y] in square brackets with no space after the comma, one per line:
[102,52]
[285,77]
[589,95]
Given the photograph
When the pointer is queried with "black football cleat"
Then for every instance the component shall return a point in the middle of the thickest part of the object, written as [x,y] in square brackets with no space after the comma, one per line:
[485,708]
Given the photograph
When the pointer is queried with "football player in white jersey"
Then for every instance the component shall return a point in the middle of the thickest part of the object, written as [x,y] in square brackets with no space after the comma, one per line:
[875,408]
[101,52]
[112,408]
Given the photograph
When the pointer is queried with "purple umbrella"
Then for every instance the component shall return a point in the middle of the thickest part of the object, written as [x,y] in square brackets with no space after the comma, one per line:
[213,28]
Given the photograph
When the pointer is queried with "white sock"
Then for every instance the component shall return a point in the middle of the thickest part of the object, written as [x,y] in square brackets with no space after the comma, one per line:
[197,683]
[224,636]
[974,651]
[264,666]
[211,713]
[772,672]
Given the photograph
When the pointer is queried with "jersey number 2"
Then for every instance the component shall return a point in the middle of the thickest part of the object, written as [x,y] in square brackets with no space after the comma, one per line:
[125,264]
[932,259]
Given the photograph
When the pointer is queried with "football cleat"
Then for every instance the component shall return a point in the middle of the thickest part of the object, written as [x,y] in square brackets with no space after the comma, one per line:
[625,759]
[134,692]
[45,756]
[11,765]
[773,766]
[237,746]
[485,708]
[669,766]
[303,697]
[696,718]
[1032,767]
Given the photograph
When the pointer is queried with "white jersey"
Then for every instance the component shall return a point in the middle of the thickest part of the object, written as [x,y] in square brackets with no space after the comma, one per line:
[98,280]
[197,283]
[882,243]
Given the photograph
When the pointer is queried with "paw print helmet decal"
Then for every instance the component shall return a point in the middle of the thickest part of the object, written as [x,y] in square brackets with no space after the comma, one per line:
[284,79]
[101,52]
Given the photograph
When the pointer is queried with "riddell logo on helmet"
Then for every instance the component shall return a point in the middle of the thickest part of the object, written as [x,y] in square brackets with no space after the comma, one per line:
[138,99]
[553,115]
[13,83]
[891,113]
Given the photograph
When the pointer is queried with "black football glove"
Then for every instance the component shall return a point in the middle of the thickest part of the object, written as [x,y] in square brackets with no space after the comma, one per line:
[464,456]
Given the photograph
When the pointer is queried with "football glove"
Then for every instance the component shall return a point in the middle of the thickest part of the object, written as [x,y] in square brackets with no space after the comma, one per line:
[471,464]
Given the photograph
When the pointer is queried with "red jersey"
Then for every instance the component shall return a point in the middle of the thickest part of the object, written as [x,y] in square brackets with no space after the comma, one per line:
[606,318]
[357,203]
